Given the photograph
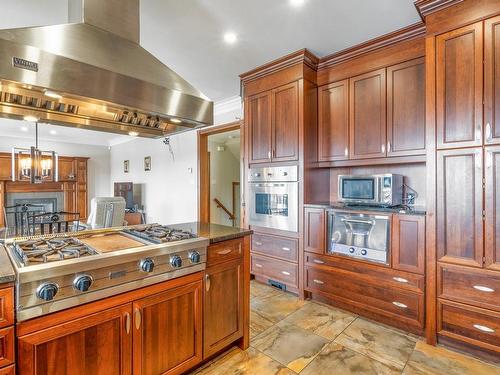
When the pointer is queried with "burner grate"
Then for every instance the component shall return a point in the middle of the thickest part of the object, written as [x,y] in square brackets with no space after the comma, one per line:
[161,234]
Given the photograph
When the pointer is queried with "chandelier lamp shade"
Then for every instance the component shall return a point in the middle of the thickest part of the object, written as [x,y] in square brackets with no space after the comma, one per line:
[34,165]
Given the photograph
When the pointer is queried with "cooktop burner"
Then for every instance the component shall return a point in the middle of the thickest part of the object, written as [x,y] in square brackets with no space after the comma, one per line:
[50,250]
[160,233]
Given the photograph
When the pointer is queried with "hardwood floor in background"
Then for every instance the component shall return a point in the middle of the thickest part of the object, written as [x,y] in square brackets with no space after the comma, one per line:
[289,336]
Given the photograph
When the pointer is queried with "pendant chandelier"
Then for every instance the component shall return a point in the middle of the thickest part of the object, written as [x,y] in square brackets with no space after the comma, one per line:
[34,165]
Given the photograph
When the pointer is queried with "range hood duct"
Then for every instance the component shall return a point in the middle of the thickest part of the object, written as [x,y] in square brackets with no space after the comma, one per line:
[92,73]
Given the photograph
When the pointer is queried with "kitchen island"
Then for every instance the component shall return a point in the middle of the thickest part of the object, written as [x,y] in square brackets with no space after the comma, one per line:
[168,327]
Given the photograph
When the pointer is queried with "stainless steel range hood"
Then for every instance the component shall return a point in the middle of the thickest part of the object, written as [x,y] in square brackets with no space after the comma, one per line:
[94,74]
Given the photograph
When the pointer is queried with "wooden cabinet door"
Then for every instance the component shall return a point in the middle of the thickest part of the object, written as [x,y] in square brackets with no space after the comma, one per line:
[223,313]
[99,344]
[67,169]
[492,80]
[459,206]
[459,87]
[167,331]
[406,108]
[492,205]
[5,168]
[285,130]
[367,115]
[259,127]
[408,243]
[333,125]
[314,230]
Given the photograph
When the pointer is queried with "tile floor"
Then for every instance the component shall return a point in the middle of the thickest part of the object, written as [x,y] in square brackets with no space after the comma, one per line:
[289,336]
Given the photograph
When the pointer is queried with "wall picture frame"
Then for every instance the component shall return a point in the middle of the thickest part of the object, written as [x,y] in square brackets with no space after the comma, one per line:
[126,165]
[147,163]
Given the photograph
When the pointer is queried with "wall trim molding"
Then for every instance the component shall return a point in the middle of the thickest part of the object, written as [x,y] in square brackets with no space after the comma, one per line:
[426,7]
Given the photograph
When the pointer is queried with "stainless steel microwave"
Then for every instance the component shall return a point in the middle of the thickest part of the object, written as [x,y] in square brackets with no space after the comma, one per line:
[375,190]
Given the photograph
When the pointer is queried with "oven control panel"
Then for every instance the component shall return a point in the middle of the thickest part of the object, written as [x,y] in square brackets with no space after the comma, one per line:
[372,255]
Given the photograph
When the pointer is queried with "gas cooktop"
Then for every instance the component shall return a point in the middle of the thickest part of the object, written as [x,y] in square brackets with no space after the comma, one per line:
[160,233]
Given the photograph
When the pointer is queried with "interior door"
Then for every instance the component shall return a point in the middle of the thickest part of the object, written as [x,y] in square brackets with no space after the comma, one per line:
[406,108]
[368,115]
[259,127]
[459,87]
[99,344]
[492,206]
[285,133]
[459,206]
[492,80]
[167,331]
[333,121]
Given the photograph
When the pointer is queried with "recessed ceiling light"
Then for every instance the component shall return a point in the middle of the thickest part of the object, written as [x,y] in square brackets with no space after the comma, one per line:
[52,94]
[53,132]
[175,120]
[30,118]
[230,37]
[297,3]
[133,134]
[24,129]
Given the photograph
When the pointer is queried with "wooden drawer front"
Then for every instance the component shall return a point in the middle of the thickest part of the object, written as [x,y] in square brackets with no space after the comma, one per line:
[374,273]
[343,284]
[470,324]
[480,288]
[6,346]
[279,247]
[275,270]
[6,307]
[224,251]
[11,370]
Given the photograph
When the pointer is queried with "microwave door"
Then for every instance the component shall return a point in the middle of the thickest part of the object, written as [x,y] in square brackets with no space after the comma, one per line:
[359,189]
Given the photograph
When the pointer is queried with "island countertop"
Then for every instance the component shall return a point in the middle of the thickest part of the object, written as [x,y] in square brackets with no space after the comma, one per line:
[7,274]
[214,232]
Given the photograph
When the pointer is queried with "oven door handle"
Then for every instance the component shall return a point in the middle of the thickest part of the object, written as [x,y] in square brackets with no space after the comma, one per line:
[269,185]
[361,221]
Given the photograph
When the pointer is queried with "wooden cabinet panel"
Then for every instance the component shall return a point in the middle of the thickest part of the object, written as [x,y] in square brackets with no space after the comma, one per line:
[275,246]
[167,331]
[459,206]
[285,133]
[274,269]
[314,230]
[6,307]
[333,124]
[70,197]
[492,207]
[95,344]
[223,313]
[492,80]
[408,243]
[67,169]
[7,341]
[367,115]
[459,87]
[259,127]
[406,108]
[5,167]
[224,251]
[10,370]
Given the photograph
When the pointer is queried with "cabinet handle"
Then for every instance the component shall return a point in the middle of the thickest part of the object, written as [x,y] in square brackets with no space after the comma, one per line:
[137,318]
[382,149]
[346,152]
[317,261]
[285,248]
[483,328]
[258,243]
[488,132]
[316,281]
[224,252]
[207,282]
[269,154]
[400,279]
[489,159]
[127,323]
[285,273]
[399,304]
[258,265]
[388,146]
[483,288]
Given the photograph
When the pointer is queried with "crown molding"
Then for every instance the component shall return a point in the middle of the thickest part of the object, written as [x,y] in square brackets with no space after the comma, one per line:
[414,31]
[426,7]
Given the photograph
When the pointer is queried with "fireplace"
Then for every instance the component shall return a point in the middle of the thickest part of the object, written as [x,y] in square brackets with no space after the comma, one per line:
[50,201]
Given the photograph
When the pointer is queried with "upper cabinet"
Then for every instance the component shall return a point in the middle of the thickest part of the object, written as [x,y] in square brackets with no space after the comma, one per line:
[273,122]
[492,80]
[406,108]
[67,169]
[492,207]
[459,87]
[368,115]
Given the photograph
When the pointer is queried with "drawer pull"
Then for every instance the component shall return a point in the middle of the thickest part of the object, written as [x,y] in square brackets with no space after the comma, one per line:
[399,304]
[257,243]
[316,281]
[224,252]
[483,328]
[400,279]
[258,265]
[285,273]
[483,288]
[317,261]
[285,248]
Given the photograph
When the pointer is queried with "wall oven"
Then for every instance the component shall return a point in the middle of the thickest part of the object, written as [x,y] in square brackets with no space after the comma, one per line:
[376,190]
[274,197]
[359,235]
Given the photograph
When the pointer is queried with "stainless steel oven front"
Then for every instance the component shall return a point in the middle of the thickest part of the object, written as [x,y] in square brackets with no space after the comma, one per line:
[274,197]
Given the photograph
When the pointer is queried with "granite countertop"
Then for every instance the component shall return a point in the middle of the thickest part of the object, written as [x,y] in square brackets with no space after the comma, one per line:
[417,210]
[7,273]
[214,232]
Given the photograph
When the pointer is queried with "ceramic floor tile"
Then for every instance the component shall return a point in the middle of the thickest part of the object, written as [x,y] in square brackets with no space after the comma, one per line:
[324,321]
[337,359]
[262,290]
[289,345]
[377,342]
[431,360]
[276,307]
[258,323]
[249,362]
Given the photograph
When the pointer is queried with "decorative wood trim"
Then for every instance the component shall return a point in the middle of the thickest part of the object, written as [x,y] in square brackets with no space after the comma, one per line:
[373,161]
[414,31]
[426,7]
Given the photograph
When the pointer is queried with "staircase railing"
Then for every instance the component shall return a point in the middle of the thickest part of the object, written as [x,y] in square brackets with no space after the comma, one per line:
[224,208]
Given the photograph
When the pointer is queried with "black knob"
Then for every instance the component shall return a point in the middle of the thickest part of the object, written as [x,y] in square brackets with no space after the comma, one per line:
[176,261]
[351,250]
[82,282]
[364,252]
[194,257]
[47,291]
[147,265]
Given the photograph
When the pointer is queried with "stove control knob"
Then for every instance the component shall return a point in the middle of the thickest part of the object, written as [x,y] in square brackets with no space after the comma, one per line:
[194,257]
[147,265]
[82,282]
[364,252]
[47,291]
[176,261]
[351,250]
